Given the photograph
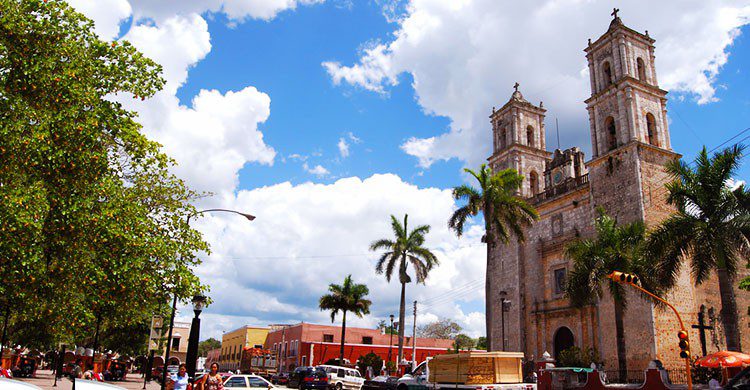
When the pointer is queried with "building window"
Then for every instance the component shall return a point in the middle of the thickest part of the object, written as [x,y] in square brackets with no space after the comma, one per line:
[609,124]
[651,136]
[176,344]
[327,338]
[641,69]
[607,74]
[559,275]
[533,183]
[366,340]
[530,136]
[258,346]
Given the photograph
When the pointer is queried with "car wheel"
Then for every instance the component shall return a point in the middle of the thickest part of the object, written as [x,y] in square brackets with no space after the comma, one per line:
[402,387]
[339,386]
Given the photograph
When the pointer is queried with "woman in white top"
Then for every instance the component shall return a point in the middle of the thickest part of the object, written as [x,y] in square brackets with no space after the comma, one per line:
[180,379]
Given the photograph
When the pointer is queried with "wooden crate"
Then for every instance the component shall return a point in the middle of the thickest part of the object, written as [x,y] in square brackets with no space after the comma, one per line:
[472,368]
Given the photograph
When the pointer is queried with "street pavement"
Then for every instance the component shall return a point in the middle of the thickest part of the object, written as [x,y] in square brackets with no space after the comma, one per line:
[45,380]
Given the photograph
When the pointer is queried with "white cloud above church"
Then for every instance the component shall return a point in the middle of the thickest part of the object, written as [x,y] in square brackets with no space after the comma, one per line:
[464,56]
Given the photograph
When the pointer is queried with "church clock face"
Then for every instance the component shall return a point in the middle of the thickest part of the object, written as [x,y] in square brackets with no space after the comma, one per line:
[556,177]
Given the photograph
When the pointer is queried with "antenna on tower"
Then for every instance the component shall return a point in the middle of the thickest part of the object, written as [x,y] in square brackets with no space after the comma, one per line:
[557,129]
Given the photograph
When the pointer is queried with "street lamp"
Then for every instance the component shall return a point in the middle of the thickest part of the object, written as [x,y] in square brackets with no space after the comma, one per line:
[503,309]
[174,301]
[199,302]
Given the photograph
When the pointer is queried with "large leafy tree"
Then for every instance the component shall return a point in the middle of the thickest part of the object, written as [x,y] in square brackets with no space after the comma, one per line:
[709,230]
[613,248]
[505,216]
[92,224]
[348,297]
[406,248]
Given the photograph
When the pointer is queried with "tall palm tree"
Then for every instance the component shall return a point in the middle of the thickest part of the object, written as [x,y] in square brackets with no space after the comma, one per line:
[614,248]
[348,297]
[407,248]
[505,215]
[709,229]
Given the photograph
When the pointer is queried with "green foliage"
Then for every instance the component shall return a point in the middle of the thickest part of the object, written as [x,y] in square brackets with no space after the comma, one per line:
[481,343]
[505,213]
[370,360]
[614,248]
[207,345]
[92,224]
[576,357]
[386,327]
[406,249]
[709,231]
[463,342]
[347,297]
[443,328]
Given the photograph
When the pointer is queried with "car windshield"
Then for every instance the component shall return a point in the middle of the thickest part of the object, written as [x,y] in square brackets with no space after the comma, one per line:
[316,372]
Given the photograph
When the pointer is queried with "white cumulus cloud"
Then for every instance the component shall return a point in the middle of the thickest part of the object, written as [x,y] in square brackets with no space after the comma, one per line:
[464,56]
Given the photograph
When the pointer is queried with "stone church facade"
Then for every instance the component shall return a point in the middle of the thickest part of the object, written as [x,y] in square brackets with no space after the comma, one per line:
[630,144]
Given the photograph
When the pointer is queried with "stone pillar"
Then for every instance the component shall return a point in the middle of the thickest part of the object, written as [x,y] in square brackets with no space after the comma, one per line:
[592,126]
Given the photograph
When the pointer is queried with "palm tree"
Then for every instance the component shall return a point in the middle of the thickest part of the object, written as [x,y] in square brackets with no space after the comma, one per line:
[614,248]
[505,215]
[709,229]
[404,250]
[348,297]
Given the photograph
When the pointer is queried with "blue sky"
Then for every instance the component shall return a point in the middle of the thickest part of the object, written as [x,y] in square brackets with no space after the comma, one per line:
[260,93]
[310,114]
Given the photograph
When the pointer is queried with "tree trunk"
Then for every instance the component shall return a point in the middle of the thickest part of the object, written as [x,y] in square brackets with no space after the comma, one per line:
[622,363]
[488,295]
[343,337]
[729,311]
[401,317]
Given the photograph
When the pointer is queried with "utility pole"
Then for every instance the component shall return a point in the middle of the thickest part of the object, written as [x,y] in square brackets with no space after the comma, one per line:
[414,339]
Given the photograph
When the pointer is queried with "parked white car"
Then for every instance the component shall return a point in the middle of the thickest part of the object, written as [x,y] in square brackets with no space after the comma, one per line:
[12,384]
[343,378]
[247,382]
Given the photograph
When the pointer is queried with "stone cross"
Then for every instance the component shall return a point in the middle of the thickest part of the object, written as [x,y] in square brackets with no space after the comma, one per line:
[702,328]
[515,86]
[614,12]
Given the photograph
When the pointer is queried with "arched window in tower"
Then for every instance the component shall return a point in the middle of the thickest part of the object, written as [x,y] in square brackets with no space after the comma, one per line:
[607,73]
[651,135]
[503,138]
[530,136]
[609,124]
[641,69]
[533,183]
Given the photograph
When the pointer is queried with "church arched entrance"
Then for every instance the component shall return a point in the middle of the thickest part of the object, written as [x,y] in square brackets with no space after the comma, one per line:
[563,340]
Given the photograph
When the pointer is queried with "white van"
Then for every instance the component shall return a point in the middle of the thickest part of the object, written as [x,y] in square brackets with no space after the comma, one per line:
[343,378]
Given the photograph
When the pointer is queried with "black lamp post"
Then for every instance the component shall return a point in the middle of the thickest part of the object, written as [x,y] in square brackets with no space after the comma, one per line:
[199,302]
[174,302]
[502,316]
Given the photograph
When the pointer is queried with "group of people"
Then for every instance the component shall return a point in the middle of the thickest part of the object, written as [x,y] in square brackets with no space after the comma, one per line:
[211,381]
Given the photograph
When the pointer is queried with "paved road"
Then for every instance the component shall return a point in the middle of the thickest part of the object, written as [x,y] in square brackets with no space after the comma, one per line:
[45,380]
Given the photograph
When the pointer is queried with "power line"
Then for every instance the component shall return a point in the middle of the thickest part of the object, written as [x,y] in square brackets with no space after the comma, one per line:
[292,257]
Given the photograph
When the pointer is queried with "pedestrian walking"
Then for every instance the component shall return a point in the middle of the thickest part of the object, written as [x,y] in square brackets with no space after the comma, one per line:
[212,380]
[180,379]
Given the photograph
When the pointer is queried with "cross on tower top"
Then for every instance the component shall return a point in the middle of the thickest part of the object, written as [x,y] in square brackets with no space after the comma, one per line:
[515,86]
[614,12]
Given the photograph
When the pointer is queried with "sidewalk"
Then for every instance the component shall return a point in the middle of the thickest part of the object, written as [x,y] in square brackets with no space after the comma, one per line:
[45,380]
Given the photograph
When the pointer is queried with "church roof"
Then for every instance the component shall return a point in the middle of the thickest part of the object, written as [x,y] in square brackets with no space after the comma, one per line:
[517,98]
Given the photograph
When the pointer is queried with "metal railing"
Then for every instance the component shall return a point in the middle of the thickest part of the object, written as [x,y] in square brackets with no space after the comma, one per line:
[564,187]
[639,376]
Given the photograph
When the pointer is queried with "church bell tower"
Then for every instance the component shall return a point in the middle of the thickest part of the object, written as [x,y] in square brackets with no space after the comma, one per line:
[630,140]
[518,141]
